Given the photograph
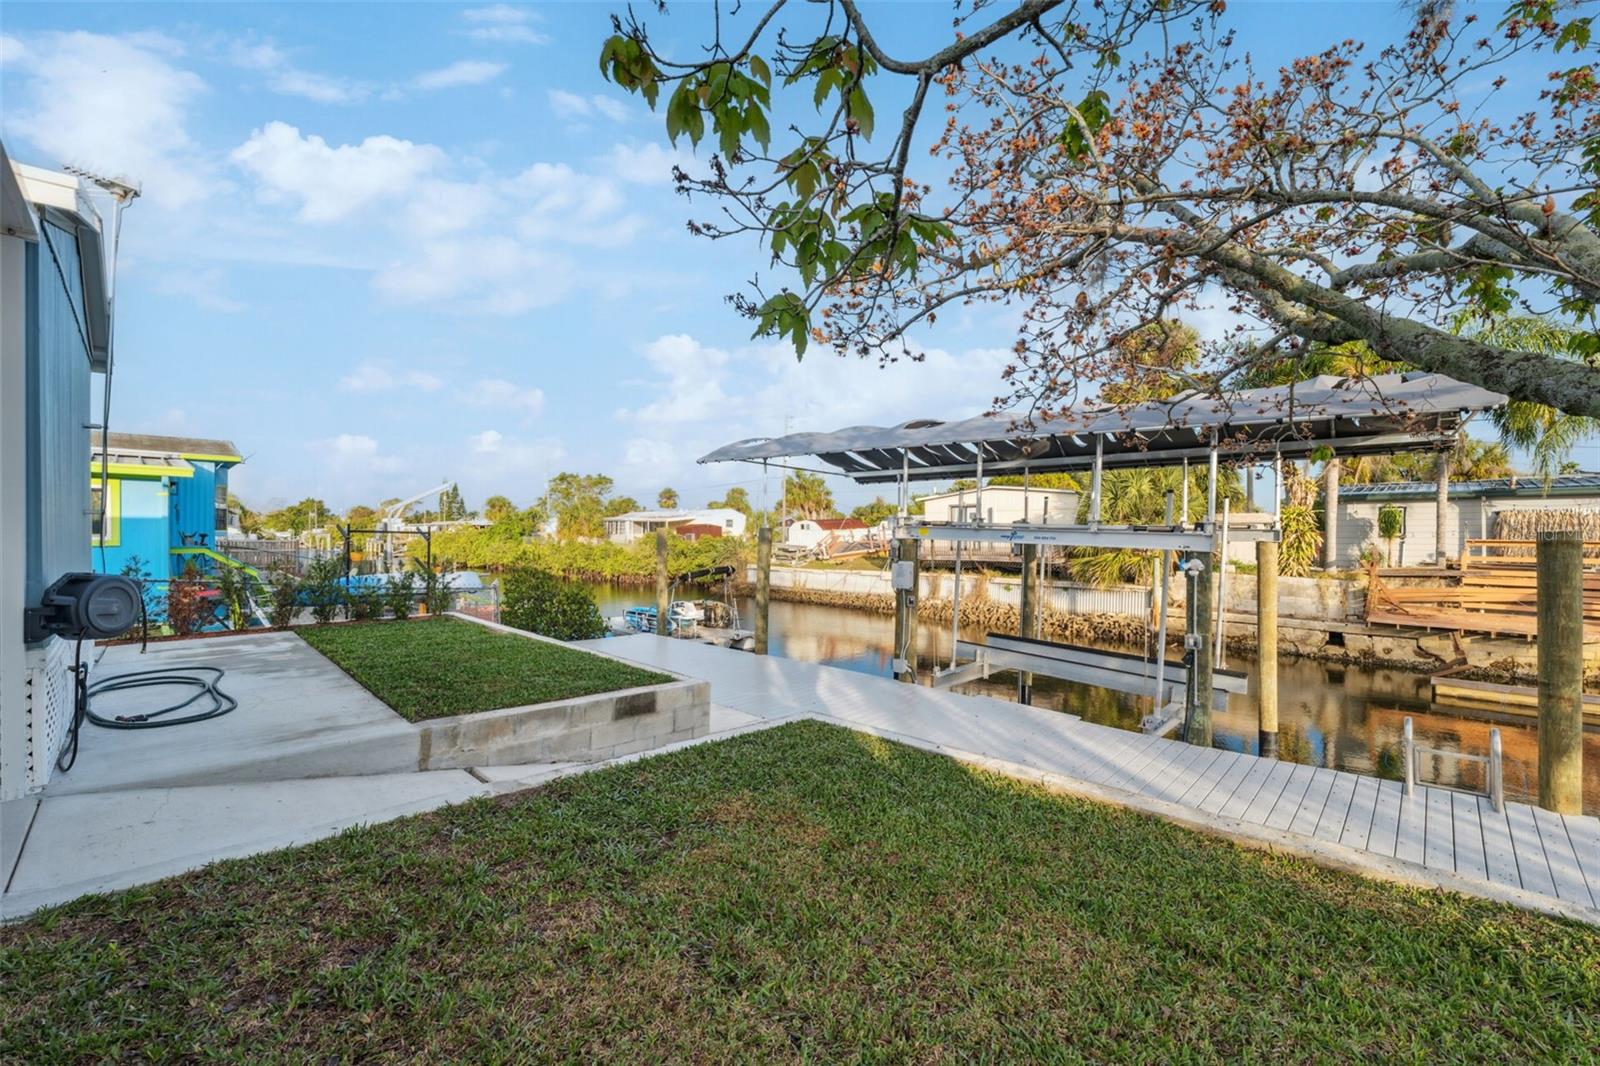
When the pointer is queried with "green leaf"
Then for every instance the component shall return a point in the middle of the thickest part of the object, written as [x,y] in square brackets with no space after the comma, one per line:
[759,68]
[861,111]
[756,123]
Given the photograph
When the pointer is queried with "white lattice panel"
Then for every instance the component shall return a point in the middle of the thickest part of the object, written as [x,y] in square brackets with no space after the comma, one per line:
[49,708]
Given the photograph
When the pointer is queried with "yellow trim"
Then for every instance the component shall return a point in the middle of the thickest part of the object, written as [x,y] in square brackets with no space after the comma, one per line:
[113,514]
[201,457]
[140,470]
[225,560]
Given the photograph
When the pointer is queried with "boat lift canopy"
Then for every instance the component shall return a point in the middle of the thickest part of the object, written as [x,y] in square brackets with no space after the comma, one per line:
[1376,415]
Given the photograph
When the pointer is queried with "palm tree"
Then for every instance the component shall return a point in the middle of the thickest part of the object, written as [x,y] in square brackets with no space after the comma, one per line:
[807,495]
[1138,496]
[1548,434]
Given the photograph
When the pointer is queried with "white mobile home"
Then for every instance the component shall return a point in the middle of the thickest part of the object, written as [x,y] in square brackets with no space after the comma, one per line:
[711,521]
[1003,505]
[1473,509]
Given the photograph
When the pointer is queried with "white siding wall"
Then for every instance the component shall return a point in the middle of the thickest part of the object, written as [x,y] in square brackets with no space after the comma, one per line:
[1469,519]
[1003,504]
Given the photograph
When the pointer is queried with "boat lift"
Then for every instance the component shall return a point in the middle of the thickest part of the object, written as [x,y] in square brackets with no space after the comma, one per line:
[1317,418]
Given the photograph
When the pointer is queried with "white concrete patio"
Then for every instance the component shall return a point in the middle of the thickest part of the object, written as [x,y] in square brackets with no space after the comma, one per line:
[307,754]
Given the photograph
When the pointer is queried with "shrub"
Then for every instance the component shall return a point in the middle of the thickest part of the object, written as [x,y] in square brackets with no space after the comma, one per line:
[149,594]
[435,589]
[322,591]
[283,596]
[541,603]
[233,587]
[364,603]
[188,610]
[401,595]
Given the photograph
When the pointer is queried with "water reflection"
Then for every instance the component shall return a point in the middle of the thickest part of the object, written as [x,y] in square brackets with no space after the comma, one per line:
[1342,717]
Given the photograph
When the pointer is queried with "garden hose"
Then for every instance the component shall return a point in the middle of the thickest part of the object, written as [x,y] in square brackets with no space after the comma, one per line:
[218,704]
[83,695]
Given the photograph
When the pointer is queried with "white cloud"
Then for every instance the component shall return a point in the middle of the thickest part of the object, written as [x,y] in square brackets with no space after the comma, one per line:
[465,237]
[204,286]
[356,453]
[495,462]
[464,72]
[331,183]
[700,397]
[485,274]
[373,376]
[321,88]
[647,164]
[503,24]
[286,78]
[572,107]
[500,393]
[115,105]
[692,387]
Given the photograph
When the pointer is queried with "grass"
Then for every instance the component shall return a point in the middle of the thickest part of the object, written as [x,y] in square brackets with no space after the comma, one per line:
[801,893]
[439,667]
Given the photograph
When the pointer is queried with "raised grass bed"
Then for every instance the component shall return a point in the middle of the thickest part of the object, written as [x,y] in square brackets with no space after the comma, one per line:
[441,667]
[804,893]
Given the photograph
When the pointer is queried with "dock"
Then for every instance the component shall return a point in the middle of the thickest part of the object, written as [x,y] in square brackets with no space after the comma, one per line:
[1436,838]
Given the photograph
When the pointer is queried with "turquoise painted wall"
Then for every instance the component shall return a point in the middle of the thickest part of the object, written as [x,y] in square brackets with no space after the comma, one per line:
[58,411]
[142,529]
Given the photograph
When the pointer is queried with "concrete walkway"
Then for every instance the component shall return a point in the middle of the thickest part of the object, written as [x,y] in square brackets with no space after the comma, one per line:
[308,754]
[1436,838]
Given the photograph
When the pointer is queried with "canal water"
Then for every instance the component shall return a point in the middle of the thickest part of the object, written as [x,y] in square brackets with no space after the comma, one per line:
[1342,717]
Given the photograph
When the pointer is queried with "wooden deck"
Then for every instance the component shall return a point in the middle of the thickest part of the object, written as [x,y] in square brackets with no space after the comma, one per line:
[1439,837]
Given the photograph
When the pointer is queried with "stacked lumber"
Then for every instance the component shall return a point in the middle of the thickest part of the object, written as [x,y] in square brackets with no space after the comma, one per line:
[1495,594]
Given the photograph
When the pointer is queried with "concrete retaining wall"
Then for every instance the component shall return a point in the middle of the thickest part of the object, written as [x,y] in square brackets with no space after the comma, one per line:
[582,729]
[1063,596]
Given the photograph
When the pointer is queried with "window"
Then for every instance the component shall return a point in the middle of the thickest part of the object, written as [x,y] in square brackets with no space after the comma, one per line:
[111,513]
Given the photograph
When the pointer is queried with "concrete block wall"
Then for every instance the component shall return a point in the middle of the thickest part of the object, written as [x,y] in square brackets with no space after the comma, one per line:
[582,729]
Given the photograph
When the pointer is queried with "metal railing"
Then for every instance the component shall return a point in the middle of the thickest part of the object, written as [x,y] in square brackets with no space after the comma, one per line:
[1492,763]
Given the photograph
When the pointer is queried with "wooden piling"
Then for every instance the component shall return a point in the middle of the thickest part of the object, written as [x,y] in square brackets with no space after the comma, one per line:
[763,585]
[1267,648]
[1559,564]
[663,587]
[1201,619]
[1028,613]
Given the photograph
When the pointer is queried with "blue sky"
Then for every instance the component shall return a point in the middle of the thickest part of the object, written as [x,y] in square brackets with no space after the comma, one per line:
[382,245]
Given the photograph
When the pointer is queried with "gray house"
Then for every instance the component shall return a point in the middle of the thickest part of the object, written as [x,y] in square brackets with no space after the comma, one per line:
[54,333]
[1473,507]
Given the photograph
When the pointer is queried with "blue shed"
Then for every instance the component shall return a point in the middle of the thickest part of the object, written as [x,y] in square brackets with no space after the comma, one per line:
[166,503]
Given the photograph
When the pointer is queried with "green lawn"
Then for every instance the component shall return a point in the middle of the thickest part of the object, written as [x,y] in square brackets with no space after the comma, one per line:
[438,667]
[805,893]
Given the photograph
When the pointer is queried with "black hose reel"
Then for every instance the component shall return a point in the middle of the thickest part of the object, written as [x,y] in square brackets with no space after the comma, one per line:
[93,606]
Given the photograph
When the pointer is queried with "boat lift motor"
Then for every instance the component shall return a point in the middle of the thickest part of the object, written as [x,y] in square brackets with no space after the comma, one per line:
[95,606]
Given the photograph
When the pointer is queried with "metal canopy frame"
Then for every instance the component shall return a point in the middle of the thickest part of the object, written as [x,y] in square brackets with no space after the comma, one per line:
[1383,414]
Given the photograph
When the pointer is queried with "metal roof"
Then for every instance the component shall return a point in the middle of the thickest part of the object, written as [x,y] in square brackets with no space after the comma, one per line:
[1564,485]
[167,447]
[1375,415]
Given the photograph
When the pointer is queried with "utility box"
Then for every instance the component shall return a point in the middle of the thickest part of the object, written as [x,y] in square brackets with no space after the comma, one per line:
[903,576]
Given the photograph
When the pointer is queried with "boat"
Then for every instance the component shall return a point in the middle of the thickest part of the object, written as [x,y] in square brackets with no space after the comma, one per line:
[682,617]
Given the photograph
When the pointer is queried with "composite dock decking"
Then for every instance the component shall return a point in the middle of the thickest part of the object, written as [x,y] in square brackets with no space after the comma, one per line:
[1436,836]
